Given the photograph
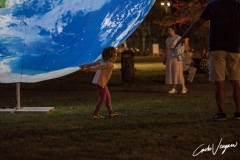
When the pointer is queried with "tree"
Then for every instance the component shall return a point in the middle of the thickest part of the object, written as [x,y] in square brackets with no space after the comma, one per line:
[183,13]
[180,13]
[148,32]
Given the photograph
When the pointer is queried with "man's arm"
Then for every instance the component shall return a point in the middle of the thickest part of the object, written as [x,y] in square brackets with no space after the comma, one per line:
[194,26]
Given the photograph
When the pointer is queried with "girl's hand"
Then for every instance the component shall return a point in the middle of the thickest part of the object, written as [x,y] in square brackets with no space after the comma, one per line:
[81,67]
[86,70]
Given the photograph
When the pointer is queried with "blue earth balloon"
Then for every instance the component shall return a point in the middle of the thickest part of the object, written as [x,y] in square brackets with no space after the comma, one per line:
[46,39]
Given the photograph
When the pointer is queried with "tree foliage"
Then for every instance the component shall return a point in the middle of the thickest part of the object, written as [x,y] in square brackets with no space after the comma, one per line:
[182,12]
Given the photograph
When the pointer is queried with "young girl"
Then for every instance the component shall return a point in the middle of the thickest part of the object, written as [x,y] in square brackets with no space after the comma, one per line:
[103,69]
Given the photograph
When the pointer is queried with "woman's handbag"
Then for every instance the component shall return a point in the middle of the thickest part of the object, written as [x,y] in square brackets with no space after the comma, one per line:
[178,52]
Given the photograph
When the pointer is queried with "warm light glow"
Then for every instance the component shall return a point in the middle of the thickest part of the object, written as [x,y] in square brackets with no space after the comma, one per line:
[163,4]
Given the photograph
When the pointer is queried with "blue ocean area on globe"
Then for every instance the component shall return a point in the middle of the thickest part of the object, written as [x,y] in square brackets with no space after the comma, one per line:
[46,39]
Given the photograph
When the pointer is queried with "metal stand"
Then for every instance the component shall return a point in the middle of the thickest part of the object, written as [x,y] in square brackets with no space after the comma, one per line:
[18,96]
[25,109]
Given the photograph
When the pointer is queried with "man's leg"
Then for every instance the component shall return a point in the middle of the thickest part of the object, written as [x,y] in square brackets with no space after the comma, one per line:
[220,95]
[191,73]
[217,68]
[236,94]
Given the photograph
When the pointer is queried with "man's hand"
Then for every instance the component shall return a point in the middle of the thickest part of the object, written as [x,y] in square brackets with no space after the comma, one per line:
[194,26]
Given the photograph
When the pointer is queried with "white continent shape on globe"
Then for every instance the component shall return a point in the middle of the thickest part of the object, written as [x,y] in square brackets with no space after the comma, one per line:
[46,39]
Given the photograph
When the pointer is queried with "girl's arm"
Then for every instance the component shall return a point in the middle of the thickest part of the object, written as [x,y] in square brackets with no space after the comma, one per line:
[87,65]
[101,66]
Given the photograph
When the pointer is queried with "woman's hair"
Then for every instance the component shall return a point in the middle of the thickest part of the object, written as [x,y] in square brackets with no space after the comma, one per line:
[173,28]
[108,53]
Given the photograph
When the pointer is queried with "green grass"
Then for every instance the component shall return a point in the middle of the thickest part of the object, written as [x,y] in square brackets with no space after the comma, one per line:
[154,124]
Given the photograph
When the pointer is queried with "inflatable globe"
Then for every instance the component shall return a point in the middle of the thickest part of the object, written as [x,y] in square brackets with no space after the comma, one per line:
[46,39]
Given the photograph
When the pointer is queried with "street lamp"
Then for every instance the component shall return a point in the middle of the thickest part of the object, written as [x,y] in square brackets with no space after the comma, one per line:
[166,5]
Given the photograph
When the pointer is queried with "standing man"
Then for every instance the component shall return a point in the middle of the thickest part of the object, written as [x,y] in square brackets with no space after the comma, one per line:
[224,52]
[188,66]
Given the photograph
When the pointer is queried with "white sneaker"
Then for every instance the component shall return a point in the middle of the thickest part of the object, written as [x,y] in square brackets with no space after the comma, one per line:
[173,90]
[184,90]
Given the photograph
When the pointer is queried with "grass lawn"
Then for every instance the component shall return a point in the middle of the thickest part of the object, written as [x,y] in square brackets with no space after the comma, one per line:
[154,125]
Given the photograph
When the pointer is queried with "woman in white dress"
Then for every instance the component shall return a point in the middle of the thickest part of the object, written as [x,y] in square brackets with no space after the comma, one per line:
[174,67]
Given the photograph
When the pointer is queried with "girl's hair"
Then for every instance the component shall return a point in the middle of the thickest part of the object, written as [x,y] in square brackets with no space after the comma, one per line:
[108,53]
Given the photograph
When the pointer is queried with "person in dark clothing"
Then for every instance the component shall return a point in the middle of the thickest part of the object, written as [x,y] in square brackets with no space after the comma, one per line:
[224,52]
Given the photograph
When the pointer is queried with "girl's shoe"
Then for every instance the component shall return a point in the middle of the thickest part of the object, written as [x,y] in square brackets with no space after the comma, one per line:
[184,90]
[114,114]
[97,116]
[173,90]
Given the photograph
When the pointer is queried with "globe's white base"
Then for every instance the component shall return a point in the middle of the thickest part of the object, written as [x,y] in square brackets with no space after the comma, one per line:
[38,110]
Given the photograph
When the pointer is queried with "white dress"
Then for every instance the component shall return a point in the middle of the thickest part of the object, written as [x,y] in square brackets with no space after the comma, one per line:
[174,68]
